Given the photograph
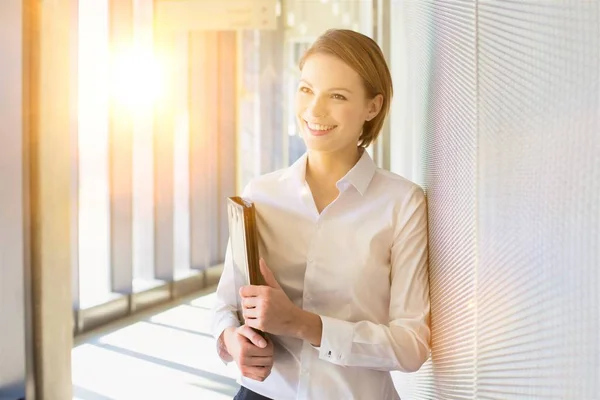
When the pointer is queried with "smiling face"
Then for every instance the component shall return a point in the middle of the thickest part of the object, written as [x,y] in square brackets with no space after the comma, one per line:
[332,104]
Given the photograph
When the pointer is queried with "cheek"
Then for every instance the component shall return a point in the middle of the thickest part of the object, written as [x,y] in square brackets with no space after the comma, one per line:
[300,104]
[351,116]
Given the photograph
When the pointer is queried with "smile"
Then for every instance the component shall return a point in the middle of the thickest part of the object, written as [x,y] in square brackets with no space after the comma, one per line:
[318,129]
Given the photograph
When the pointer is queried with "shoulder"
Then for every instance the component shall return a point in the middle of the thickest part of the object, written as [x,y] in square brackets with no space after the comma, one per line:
[401,189]
[266,183]
[408,202]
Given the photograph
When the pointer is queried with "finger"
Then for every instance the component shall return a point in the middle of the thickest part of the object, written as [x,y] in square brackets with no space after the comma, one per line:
[268,275]
[257,373]
[258,361]
[255,323]
[265,371]
[247,349]
[251,290]
[254,377]
[249,302]
[251,313]
[254,337]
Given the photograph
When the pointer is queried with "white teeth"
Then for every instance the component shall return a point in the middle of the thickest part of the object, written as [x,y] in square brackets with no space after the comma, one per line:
[319,127]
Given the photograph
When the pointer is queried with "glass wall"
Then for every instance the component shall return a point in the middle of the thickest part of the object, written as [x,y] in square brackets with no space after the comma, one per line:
[301,30]
[408,110]
[94,238]
[156,156]
[171,123]
[143,161]
[181,167]
[269,72]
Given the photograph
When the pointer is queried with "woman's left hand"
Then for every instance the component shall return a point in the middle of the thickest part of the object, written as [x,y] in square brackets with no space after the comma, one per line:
[268,308]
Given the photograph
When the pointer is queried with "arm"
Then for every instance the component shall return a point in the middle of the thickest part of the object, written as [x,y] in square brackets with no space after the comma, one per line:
[224,309]
[403,344]
[252,354]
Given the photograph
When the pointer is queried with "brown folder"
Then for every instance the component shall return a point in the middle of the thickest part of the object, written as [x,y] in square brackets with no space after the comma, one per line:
[243,235]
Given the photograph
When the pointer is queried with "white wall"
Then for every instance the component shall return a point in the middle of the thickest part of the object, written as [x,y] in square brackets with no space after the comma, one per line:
[12,291]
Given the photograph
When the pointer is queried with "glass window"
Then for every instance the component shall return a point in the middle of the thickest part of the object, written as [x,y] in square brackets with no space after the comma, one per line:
[405,113]
[300,32]
[93,53]
[143,160]
[181,179]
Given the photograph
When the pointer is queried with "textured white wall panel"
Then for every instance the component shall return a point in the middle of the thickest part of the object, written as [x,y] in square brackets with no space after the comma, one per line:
[442,46]
[539,200]
[504,97]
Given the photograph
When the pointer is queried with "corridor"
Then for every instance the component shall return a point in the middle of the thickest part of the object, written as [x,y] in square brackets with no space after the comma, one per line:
[127,125]
[166,353]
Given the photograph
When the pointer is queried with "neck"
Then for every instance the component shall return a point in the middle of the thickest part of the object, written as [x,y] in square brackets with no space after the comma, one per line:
[330,167]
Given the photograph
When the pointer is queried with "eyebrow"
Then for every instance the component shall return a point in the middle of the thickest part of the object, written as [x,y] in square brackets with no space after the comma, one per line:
[331,90]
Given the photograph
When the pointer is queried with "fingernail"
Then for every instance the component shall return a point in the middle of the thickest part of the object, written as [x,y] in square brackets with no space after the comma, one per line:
[262,343]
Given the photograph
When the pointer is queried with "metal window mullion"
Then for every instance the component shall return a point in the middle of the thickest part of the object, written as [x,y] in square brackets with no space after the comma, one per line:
[226,132]
[74,103]
[213,145]
[200,138]
[164,127]
[120,157]
[382,34]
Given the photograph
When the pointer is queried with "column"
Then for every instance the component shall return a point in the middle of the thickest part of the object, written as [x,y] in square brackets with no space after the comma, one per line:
[49,106]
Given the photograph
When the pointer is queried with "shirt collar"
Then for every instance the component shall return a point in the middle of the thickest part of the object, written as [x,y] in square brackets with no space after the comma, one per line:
[359,176]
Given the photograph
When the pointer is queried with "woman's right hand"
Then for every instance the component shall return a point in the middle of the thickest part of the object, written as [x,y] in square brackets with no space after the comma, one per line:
[250,351]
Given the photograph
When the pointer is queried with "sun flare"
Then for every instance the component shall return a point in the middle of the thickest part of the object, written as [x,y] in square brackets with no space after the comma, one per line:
[137,80]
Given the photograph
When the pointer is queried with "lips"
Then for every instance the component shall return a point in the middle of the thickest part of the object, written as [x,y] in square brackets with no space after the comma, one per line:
[319,129]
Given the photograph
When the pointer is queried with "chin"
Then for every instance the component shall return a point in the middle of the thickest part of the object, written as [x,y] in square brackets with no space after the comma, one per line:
[317,144]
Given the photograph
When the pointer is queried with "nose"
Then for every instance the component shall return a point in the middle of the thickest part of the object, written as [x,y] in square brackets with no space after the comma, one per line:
[317,107]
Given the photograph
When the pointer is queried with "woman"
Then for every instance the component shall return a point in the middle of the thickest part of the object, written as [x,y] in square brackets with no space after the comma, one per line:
[343,246]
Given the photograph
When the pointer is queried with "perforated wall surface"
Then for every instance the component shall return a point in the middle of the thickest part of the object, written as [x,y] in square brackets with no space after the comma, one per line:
[508,113]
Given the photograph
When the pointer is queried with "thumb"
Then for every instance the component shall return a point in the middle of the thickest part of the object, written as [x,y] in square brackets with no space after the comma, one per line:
[253,336]
[268,275]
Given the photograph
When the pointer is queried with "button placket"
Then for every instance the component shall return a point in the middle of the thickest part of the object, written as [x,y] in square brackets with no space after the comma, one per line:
[310,260]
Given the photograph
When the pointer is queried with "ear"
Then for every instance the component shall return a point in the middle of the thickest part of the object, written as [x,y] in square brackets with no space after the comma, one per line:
[374,107]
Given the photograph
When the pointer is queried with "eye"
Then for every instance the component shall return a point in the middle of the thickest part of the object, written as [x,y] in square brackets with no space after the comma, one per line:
[304,89]
[338,97]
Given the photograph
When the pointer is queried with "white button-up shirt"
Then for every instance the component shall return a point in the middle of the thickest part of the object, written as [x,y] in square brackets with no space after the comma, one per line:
[361,265]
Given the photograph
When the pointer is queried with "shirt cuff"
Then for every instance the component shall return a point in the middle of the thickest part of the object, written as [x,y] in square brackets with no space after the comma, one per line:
[336,340]
[218,331]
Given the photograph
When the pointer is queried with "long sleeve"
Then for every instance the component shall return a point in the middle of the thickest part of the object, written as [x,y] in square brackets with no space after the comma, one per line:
[403,344]
[224,311]
[224,308]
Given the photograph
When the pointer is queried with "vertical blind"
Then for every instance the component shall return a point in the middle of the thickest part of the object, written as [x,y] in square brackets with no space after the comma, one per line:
[509,118]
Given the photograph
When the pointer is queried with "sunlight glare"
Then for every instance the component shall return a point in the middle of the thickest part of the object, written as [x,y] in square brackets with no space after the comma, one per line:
[137,81]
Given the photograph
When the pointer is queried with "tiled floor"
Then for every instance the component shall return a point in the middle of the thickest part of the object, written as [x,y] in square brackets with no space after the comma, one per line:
[168,354]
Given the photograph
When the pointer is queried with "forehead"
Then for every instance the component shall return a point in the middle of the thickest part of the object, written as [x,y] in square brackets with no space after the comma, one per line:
[327,71]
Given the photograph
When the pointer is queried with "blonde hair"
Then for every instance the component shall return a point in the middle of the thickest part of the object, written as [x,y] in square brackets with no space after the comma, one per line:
[363,55]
